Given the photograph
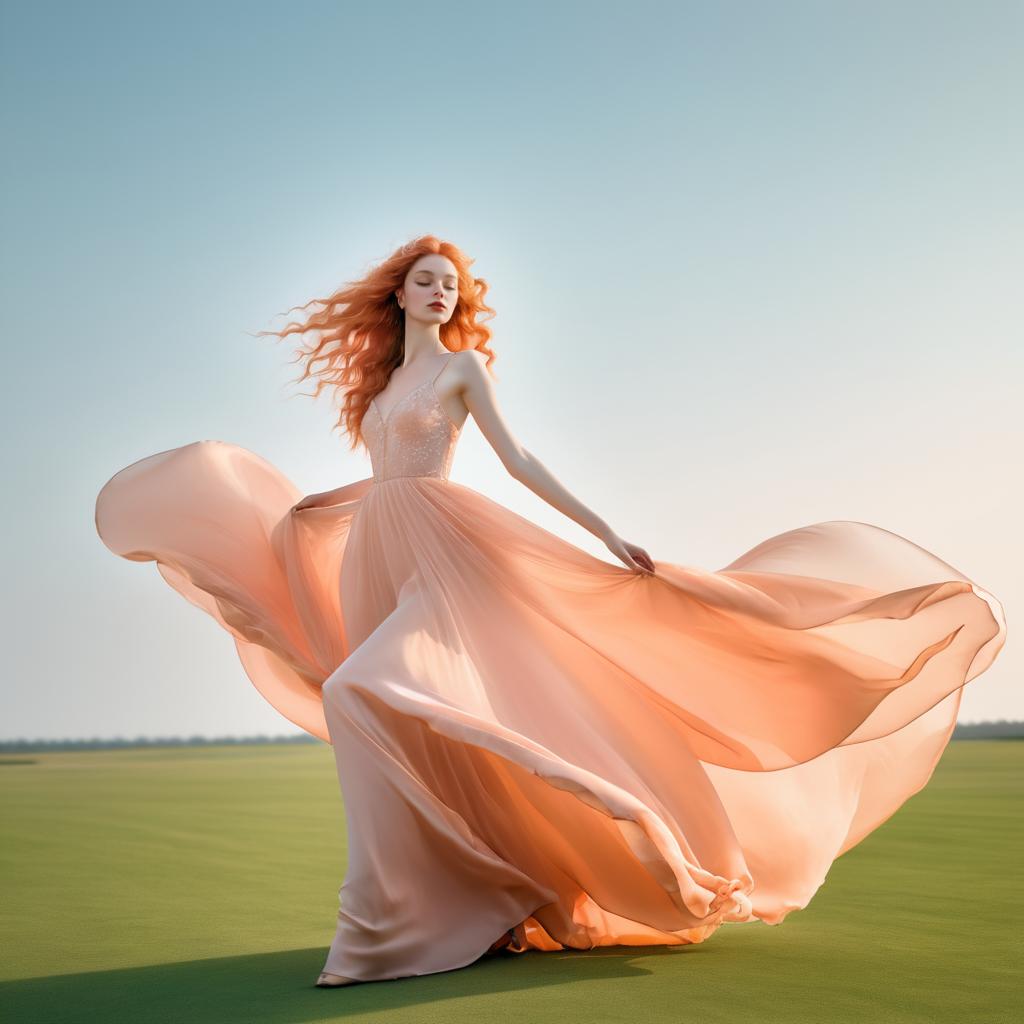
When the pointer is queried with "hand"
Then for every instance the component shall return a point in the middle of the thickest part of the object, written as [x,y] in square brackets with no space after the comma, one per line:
[310,501]
[633,555]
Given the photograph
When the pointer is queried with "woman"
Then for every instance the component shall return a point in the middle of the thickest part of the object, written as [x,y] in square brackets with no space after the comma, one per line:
[538,748]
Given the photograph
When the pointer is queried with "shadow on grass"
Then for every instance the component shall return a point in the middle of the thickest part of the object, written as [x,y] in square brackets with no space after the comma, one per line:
[280,987]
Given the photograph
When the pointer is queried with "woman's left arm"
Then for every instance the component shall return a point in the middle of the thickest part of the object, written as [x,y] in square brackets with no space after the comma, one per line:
[477,391]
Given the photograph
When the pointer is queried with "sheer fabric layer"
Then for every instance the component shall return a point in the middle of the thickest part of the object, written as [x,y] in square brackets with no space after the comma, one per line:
[525,733]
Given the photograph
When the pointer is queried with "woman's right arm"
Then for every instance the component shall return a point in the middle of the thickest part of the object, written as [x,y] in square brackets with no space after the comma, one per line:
[319,500]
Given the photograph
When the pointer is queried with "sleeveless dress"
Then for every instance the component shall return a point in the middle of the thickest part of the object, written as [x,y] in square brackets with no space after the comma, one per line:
[529,737]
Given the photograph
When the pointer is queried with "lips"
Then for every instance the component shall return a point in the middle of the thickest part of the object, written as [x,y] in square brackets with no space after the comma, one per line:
[437,305]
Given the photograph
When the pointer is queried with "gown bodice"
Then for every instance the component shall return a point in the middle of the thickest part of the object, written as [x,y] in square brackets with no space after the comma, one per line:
[413,435]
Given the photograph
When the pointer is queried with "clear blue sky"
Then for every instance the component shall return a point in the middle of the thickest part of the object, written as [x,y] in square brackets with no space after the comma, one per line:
[755,266]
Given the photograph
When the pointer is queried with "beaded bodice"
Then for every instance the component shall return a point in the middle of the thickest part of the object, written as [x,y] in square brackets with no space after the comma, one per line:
[413,435]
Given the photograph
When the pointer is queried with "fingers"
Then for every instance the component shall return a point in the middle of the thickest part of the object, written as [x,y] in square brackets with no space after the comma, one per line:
[643,559]
[635,558]
[628,560]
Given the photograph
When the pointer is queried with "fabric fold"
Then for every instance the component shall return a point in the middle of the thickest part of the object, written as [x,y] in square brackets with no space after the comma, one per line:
[563,743]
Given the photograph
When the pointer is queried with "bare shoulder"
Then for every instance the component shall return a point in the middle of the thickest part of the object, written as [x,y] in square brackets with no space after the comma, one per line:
[470,365]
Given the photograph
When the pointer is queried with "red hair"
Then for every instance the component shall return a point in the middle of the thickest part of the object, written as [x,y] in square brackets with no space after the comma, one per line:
[362,329]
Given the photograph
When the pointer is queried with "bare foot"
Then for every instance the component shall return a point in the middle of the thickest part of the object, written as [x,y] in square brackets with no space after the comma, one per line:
[513,941]
[501,944]
[334,980]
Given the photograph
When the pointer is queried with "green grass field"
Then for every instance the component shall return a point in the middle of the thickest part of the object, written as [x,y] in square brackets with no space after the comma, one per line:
[200,884]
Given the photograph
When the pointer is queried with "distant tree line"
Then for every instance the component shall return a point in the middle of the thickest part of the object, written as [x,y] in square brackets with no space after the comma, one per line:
[1002,729]
[22,746]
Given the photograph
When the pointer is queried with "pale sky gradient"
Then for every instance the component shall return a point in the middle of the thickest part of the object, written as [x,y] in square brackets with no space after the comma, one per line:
[755,266]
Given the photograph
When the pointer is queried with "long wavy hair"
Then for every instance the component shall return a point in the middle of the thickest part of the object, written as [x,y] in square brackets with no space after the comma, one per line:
[361,330]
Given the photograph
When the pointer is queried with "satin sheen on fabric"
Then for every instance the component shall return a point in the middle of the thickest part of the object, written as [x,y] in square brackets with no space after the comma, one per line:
[529,735]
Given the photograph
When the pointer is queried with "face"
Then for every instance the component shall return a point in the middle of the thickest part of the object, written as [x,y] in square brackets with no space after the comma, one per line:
[432,279]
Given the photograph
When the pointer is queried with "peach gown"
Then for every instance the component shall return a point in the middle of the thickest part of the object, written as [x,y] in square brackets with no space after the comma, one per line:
[527,735]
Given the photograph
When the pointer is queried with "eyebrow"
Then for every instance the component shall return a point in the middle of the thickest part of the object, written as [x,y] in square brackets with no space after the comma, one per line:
[428,272]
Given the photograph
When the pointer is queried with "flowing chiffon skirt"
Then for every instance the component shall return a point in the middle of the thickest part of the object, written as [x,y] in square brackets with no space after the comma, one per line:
[527,734]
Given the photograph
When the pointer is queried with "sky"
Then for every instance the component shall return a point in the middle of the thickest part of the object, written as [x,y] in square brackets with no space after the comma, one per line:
[755,266]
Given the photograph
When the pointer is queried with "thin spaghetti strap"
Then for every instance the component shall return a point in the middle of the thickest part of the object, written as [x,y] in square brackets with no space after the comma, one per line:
[447,360]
